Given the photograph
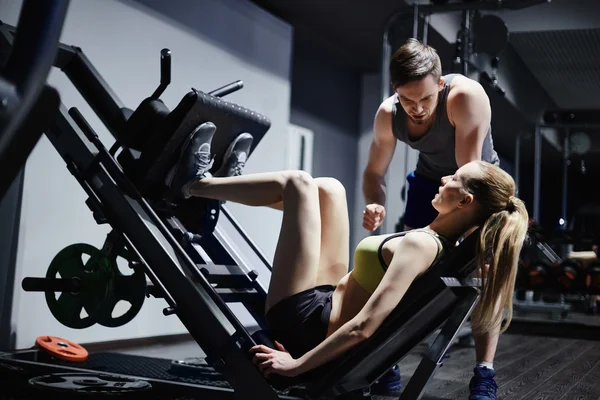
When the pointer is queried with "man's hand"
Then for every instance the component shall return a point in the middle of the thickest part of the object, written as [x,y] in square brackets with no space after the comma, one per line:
[271,361]
[373,216]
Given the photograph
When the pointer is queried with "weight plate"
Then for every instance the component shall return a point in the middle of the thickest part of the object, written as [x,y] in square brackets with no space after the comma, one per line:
[127,288]
[62,348]
[84,383]
[95,278]
[193,367]
[12,368]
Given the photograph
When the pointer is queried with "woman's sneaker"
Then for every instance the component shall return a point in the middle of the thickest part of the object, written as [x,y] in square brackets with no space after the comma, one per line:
[390,383]
[194,162]
[482,385]
[236,155]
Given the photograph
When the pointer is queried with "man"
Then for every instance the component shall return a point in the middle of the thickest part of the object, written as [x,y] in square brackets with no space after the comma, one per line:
[447,119]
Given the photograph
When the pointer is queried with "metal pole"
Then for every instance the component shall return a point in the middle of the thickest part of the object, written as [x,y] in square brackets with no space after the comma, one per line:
[415,21]
[426,28]
[517,162]
[466,42]
[385,71]
[537,173]
[565,188]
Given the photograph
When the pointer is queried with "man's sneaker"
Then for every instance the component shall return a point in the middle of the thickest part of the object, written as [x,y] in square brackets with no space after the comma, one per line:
[482,385]
[194,161]
[236,155]
[389,384]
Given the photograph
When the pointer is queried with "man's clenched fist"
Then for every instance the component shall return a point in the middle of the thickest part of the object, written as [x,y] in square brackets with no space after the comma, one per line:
[373,216]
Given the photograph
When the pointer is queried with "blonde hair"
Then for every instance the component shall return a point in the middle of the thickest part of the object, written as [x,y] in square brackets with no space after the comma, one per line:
[504,220]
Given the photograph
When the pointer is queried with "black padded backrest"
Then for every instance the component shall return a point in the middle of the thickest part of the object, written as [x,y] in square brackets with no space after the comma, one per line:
[460,262]
[426,305]
[161,136]
[199,107]
[142,123]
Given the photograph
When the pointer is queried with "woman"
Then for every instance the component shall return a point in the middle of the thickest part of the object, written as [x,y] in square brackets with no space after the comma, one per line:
[314,307]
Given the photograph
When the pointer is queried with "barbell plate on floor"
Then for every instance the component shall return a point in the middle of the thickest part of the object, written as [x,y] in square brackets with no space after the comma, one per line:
[89,383]
[193,367]
[62,348]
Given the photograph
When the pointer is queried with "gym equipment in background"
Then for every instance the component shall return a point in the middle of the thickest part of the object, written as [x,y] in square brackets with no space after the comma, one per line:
[464,44]
[538,277]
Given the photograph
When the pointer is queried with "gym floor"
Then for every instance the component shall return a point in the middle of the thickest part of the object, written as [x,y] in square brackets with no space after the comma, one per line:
[528,367]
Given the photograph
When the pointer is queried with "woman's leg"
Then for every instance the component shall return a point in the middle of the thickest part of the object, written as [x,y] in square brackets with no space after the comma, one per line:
[335,231]
[296,260]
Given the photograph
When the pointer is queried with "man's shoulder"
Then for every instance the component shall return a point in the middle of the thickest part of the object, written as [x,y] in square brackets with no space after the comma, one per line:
[464,86]
[387,105]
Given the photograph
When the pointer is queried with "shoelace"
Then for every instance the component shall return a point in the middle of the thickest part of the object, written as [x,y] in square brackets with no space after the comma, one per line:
[202,157]
[239,165]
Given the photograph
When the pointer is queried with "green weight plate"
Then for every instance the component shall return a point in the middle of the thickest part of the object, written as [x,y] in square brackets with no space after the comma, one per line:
[96,281]
[130,289]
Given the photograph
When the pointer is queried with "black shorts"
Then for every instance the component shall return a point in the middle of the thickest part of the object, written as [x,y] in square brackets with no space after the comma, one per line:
[300,322]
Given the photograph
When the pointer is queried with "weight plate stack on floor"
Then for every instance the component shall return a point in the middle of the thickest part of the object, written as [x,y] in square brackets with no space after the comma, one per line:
[95,385]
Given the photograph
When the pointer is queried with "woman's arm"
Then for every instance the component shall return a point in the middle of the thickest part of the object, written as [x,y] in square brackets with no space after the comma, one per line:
[413,256]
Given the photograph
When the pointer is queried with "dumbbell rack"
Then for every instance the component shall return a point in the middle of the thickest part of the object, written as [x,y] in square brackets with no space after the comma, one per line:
[555,311]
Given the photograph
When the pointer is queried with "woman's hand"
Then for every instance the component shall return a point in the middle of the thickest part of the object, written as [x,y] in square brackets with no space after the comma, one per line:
[271,361]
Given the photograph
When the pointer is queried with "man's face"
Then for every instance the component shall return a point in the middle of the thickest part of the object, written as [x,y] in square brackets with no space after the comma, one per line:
[419,98]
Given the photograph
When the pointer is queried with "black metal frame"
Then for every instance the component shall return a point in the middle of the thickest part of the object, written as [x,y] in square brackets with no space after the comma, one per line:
[23,87]
[435,356]
[10,215]
[176,276]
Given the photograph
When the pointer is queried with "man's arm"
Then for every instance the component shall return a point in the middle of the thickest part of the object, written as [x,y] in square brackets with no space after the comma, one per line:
[470,112]
[381,152]
[414,254]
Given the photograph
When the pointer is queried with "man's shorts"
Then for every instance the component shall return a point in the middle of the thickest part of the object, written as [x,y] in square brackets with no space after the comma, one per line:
[419,212]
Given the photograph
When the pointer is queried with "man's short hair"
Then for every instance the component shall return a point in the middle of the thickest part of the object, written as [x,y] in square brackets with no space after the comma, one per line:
[413,61]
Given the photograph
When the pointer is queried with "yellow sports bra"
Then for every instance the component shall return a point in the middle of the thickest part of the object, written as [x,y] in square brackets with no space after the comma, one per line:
[369,265]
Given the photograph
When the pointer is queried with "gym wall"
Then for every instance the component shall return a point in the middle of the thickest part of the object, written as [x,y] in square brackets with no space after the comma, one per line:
[326,99]
[213,42]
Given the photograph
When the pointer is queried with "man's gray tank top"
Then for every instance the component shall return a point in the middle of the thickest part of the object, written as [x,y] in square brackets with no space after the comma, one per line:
[437,157]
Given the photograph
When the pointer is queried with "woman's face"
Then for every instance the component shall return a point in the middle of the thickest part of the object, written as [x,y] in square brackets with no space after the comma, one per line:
[451,193]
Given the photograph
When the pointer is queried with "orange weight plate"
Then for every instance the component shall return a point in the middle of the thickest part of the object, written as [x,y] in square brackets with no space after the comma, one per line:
[62,348]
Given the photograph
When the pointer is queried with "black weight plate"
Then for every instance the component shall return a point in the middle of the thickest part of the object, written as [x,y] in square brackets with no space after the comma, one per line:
[127,288]
[89,383]
[193,367]
[95,281]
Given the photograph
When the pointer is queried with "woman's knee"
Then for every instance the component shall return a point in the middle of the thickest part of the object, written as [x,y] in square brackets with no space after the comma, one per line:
[330,188]
[297,182]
